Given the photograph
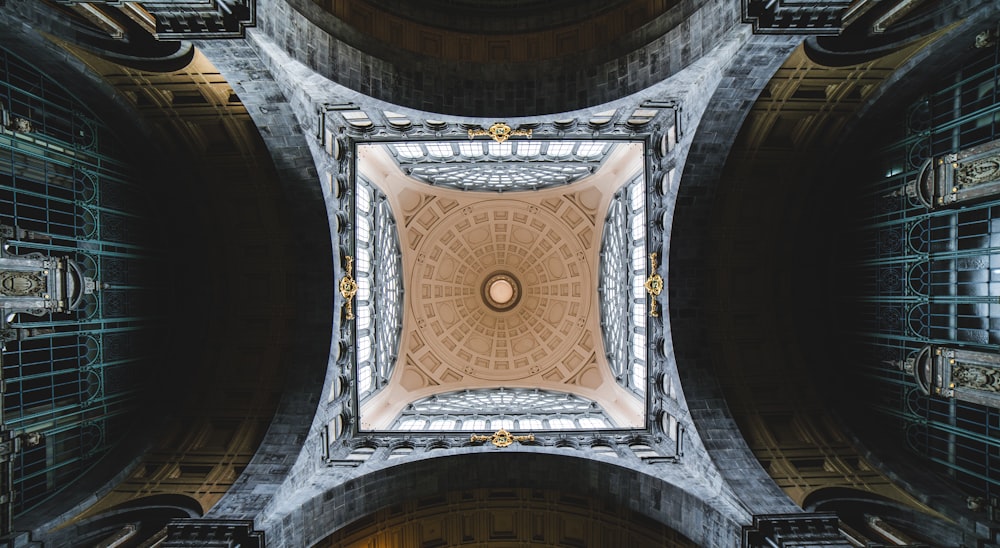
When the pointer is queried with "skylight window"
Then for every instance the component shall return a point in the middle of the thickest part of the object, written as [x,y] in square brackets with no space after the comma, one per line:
[474,424]
[530,424]
[501,167]
[559,149]
[513,408]
[440,150]
[500,149]
[528,149]
[590,149]
[561,424]
[443,424]
[472,149]
[408,150]
[412,424]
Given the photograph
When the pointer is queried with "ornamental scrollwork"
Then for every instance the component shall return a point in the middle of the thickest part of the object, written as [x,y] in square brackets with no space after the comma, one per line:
[500,132]
[348,287]
[653,285]
[502,438]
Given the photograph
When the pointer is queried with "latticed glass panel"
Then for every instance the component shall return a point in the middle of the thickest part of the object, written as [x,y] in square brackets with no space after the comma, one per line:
[621,286]
[73,382]
[500,167]
[931,273]
[378,302]
[509,408]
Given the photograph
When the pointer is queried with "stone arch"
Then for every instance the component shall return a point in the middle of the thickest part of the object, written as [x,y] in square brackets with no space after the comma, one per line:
[855,508]
[507,516]
[136,520]
[578,80]
[320,514]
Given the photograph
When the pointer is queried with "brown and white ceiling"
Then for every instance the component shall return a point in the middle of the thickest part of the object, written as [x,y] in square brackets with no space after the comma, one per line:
[501,288]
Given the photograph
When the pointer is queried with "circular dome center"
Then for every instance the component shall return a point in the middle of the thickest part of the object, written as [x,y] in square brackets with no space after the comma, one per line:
[501,291]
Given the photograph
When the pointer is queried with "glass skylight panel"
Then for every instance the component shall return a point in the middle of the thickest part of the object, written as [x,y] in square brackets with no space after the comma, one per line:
[442,424]
[500,167]
[363,199]
[529,424]
[591,422]
[622,292]
[474,424]
[365,379]
[364,317]
[408,150]
[639,374]
[528,148]
[364,288]
[515,408]
[500,149]
[363,259]
[440,150]
[471,149]
[559,148]
[412,424]
[561,424]
[588,149]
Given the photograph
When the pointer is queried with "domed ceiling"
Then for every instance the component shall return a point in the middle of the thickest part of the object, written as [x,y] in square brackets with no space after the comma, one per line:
[501,288]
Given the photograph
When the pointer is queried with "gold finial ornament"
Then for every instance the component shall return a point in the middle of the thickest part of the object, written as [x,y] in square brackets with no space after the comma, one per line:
[500,132]
[348,287]
[653,285]
[502,438]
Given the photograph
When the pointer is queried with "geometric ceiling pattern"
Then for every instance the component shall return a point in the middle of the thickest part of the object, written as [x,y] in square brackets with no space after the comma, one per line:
[507,166]
[545,243]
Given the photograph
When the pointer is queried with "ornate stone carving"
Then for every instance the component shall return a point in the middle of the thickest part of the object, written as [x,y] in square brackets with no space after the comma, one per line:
[977,172]
[966,375]
[965,176]
[36,284]
[15,283]
[976,377]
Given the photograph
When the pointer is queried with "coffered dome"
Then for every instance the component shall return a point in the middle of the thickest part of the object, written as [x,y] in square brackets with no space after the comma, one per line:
[501,288]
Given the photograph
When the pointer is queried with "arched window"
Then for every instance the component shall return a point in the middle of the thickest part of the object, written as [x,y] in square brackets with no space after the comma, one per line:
[378,302]
[510,408]
[621,288]
[500,167]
